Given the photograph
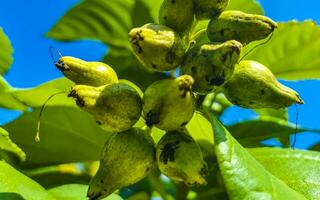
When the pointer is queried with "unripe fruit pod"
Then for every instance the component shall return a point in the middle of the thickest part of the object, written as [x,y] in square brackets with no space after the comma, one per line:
[169,104]
[208,9]
[254,86]
[158,47]
[177,14]
[240,26]
[116,107]
[211,65]
[179,157]
[86,73]
[126,159]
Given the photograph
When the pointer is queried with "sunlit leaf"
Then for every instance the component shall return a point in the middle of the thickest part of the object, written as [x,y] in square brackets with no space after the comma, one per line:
[6,50]
[243,176]
[254,131]
[7,99]
[57,175]
[76,192]
[293,51]
[298,169]
[281,113]
[14,181]
[35,97]
[67,135]
[106,21]
[7,145]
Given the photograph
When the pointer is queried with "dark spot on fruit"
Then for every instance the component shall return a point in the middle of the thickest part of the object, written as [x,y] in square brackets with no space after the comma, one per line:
[204,171]
[99,123]
[101,181]
[236,49]
[80,102]
[73,93]
[167,152]
[135,41]
[184,123]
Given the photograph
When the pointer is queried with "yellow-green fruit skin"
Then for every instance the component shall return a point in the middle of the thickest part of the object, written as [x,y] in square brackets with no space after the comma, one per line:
[158,47]
[211,65]
[86,73]
[177,14]
[179,157]
[169,104]
[254,86]
[208,9]
[126,159]
[115,107]
[240,26]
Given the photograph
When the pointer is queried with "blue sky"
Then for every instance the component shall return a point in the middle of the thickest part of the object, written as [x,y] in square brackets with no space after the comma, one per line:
[26,22]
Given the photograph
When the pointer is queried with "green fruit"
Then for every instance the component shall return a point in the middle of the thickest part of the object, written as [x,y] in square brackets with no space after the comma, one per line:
[86,73]
[158,47]
[211,65]
[116,107]
[126,159]
[208,9]
[179,157]
[177,14]
[240,26]
[169,104]
[254,86]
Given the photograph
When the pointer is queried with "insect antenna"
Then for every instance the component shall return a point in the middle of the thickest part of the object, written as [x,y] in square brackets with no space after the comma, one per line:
[37,137]
[51,50]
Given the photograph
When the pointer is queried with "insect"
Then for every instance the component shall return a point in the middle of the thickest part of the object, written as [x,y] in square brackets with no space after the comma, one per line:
[167,152]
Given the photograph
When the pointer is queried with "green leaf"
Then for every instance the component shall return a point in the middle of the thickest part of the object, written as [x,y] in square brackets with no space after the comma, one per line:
[200,129]
[243,176]
[6,50]
[252,132]
[7,145]
[248,6]
[35,97]
[281,113]
[57,175]
[67,135]
[76,192]
[106,21]
[293,51]
[15,182]
[298,169]
[7,99]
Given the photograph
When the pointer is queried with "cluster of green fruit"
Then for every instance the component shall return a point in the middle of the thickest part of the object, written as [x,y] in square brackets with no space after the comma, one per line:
[169,104]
